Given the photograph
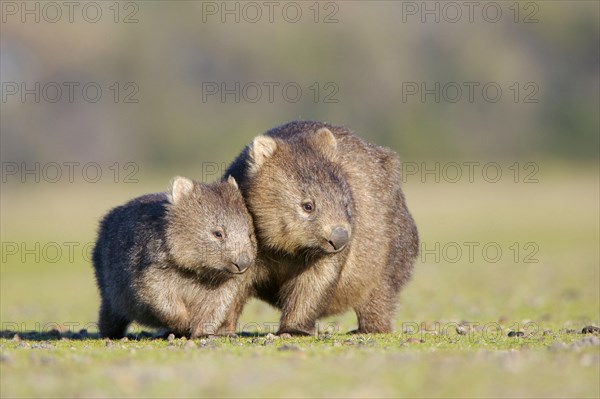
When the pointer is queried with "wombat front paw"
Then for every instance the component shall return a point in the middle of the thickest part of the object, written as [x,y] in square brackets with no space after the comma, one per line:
[295,332]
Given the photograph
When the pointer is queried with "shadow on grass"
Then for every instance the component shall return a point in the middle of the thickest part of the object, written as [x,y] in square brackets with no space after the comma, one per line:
[55,335]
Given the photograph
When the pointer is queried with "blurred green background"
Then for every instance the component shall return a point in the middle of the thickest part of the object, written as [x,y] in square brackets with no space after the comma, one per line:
[357,63]
[368,56]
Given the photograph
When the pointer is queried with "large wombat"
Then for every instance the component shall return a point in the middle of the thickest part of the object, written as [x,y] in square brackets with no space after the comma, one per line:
[333,228]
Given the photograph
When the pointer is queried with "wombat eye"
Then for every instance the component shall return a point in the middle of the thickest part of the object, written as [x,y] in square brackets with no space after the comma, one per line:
[308,207]
[217,234]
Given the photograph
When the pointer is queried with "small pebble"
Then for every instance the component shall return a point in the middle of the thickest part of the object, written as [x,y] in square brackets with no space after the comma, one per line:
[286,347]
[271,336]
[171,337]
[42,345]
[16,338]
[590,330]
[208,343]
[190,345]
[285,336]
[124,339]
[461,330]
[567,331]
[109,344]
[366,342]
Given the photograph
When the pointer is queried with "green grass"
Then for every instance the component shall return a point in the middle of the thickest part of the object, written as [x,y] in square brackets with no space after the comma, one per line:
[550,301]
[337,366]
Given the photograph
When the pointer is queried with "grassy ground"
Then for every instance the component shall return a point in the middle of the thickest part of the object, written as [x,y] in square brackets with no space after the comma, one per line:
[544,283]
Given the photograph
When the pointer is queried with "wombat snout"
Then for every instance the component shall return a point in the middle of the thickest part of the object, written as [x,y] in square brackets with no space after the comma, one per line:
[338,239]
[241,264]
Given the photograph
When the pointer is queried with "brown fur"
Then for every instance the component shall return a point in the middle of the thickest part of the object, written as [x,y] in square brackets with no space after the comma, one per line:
[159,261]
[355,185]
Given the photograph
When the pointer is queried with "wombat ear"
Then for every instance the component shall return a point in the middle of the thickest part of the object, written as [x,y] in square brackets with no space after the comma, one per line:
[180,187]
[231,180]
[261,148]
[325,142]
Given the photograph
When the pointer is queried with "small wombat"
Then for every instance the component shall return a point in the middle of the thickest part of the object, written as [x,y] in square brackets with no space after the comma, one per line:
[174,260]
[332,224]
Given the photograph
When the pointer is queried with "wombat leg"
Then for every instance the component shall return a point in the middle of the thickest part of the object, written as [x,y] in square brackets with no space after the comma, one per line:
[305,298]
[204,329]
[231,319]
[111,324]
[377,313]
[228,327]
[295,322]
[296,318]
[306,332]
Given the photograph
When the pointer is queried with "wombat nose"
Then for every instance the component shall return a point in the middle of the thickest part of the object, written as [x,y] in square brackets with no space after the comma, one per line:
[242,264]
[339,238]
